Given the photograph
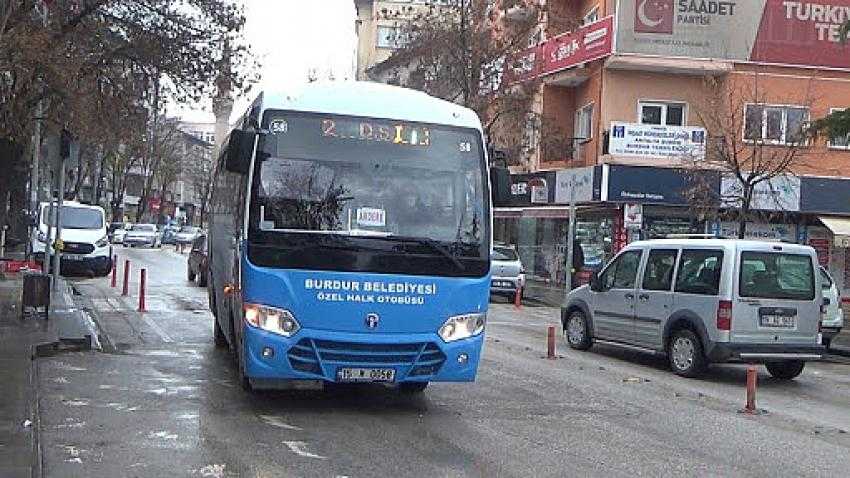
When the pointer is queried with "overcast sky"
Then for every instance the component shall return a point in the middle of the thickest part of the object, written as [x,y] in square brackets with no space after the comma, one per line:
[290,37]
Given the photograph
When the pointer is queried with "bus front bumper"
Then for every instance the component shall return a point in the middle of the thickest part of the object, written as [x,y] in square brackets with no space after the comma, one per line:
[329,356]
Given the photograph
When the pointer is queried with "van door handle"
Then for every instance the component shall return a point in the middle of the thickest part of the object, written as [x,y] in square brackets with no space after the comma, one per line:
[630,296]
[644,297]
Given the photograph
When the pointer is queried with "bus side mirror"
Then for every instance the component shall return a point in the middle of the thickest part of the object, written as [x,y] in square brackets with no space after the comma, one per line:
[240,148]
[500,182]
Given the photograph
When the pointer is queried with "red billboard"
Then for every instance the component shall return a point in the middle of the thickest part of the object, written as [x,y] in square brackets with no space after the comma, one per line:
[799,33]
[589,42]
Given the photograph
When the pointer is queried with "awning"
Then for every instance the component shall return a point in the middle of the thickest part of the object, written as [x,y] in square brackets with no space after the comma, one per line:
[840,228]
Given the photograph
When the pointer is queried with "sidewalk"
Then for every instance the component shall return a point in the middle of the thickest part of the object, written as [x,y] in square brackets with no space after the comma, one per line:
[20,339]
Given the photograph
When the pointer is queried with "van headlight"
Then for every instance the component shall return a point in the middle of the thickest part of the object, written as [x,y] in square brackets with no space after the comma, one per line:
[102,242]
[271,319]
[463,326]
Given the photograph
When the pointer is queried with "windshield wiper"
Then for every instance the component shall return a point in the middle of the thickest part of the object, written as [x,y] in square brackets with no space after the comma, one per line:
[433,245]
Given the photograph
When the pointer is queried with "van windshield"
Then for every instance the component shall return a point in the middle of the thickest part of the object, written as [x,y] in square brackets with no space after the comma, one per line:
[770,275]
[75,218]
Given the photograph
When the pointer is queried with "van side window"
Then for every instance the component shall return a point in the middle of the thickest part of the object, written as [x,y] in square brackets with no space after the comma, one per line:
[699,272]
[621,273]
[658,274]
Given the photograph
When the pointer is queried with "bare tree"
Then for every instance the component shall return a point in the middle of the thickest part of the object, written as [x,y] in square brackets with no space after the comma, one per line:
[160,163]
[754,150]
[459,52]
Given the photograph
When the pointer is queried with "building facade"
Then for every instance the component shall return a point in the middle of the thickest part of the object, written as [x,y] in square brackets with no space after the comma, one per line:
[638,92]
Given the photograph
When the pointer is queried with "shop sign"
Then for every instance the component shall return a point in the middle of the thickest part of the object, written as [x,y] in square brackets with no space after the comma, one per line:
[780,193]
[761,231]
[765,31]
[825,195]
[632,216]
[582,185]
[650,185]
[539,191]
[587,43]
[655,141]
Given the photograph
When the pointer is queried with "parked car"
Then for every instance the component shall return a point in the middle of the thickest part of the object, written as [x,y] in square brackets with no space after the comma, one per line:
[507,272]
[143,235]
[187,235]
[117,231]
[169,234]
[833,320]
[197,264]
[704,301]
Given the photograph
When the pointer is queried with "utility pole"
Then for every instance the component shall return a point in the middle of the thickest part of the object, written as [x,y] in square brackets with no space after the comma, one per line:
[36,149]
[64,153]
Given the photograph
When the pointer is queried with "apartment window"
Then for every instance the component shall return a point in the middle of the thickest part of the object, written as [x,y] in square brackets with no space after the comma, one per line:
[591,16]
[775,124]
[583,129]
[839,142]
[662,113]
[390,37]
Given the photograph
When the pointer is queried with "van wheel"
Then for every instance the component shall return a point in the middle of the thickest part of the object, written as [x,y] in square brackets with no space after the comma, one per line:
[576,331]
[788,370]
[684,351]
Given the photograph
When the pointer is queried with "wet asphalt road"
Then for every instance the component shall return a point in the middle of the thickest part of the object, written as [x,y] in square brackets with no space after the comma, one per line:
[163,401]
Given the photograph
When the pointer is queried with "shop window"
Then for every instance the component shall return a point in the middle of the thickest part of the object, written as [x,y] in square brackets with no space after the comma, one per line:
[658,273]
[583,129]
[662,113]
[839,142]
[591,16]
[771,124]
[699,272]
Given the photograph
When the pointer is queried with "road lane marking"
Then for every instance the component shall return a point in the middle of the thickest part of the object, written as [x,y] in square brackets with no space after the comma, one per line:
[277,422]
[299,448]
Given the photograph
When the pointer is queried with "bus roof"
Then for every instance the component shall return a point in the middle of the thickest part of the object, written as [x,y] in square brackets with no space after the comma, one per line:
[376,100]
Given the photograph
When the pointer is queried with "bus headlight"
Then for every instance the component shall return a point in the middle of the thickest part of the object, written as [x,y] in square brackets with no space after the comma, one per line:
[463,326]
[272,319]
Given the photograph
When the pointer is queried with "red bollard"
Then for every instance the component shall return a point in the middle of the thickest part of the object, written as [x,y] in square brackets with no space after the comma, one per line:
[550,343]
[752,377]
[114,270]
[518,298]
[143,273]
[126,290]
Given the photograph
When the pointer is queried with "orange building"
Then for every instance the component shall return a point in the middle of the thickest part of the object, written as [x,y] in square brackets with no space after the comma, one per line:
[630,91]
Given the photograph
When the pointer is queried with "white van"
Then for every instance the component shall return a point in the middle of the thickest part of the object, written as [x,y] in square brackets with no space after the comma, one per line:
[705,300]
[86,244]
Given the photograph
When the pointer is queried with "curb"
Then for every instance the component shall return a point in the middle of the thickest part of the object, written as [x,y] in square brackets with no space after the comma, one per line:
[35,412]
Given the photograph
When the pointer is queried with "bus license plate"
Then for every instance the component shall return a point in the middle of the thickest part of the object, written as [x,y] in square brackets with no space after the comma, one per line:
[365,374]
[778,321]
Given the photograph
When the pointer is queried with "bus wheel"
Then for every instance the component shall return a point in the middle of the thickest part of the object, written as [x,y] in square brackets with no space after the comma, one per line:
[244,381]
[218,334]
[412,387]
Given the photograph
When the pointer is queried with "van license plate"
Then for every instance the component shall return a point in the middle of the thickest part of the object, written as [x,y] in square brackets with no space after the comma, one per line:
[778,321]
[365,374]
[73,257]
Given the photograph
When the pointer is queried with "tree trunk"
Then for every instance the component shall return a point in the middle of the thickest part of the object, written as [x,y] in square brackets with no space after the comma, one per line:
[744,213]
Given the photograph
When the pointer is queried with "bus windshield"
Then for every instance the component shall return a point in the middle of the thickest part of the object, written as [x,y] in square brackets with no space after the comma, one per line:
[376,179]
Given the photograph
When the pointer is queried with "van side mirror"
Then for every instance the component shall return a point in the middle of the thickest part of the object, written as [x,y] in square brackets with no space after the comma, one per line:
[240,148]
[500,183]
[595,285]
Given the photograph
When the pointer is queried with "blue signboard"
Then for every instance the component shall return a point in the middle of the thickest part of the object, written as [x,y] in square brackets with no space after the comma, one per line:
[825,195]
[650,185]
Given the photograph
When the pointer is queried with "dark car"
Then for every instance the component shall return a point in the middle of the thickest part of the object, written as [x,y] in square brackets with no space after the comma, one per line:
[197,265]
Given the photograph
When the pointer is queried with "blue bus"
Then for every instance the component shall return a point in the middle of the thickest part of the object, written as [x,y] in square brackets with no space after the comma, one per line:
[350,238]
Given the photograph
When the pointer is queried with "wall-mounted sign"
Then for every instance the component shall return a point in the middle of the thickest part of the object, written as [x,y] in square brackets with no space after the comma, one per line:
[766,31]
[780,193]
[633,216]
[531,188]
[539,190]
[589,42]
[581,180]
[655,141]
[761,231]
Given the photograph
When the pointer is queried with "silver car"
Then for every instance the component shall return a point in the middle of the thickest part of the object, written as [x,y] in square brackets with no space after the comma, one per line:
[833,320]
[143,235]
[703,301]
[507,272]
